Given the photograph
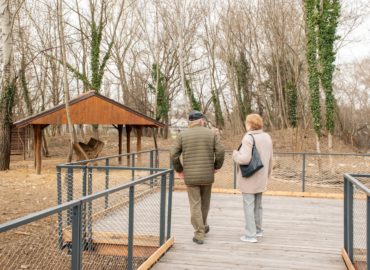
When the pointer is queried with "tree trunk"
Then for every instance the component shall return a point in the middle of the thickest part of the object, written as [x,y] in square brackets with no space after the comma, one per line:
[73,137]
[7,90]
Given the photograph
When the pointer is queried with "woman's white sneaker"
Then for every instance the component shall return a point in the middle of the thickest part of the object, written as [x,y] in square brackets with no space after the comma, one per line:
[248,239]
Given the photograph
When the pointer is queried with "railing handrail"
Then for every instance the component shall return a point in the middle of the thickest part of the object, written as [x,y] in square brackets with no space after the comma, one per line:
[166,149]
[352,178]
[68,205]
[109,157]
[66,166]
[317,154]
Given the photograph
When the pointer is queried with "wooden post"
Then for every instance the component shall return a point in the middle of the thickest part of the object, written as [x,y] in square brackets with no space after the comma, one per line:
[156,161]
[128,150]
[37,130]
[120,127]
[138,143]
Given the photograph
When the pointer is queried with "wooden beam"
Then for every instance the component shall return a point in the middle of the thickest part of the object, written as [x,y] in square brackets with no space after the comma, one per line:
[37,129]
[120,250]
[120,128]
[346,260]
[139,132]
[276,193]
[157,255]
[117,238]
[128,143]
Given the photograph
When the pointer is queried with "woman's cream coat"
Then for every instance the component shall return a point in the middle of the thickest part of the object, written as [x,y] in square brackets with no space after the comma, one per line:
[258,181]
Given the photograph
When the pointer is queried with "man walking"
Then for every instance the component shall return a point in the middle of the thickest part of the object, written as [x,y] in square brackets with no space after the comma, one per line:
[202,156]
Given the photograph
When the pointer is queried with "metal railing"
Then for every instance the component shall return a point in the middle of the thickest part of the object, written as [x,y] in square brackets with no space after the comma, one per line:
[134,223]
[357,219]
[298,172]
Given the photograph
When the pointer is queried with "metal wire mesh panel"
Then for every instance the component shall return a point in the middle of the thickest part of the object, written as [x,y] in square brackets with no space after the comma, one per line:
[147,222]
[359,229]
[105,241]
[224,178]
[286,173]
[34,246]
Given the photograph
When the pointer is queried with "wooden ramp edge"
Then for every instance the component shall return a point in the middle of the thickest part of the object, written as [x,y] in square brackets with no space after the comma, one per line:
[276,193]
[347,260]
[157,255]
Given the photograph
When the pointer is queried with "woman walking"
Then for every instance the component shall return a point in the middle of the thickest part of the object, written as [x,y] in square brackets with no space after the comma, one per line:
[253,186]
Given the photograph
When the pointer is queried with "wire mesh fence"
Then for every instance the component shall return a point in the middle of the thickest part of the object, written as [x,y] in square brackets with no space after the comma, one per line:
[359,228]
[357,219]
[299,172]
[116,228]
[33,246]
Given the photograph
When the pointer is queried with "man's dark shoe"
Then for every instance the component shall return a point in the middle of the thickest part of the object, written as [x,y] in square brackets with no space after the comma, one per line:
[199,242]
[206,229]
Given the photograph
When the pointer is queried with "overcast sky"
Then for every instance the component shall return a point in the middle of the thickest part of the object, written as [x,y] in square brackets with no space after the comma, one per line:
[358,42]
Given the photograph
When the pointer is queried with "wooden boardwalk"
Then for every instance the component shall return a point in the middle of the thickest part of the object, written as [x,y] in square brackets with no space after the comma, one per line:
[300,233]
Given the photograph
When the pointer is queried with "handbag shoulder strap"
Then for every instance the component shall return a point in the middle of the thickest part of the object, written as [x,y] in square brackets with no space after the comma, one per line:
[252,139]
[253,145]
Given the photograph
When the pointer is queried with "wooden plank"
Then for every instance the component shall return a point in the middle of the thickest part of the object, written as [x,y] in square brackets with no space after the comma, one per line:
[347,260]
[157,255]
[119,250]
[300,233]
[114,238]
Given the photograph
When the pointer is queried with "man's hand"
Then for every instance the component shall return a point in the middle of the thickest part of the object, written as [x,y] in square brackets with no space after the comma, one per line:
[181,175]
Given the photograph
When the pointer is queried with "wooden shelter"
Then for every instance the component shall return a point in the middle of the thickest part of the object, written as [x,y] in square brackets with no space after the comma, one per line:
[89,108]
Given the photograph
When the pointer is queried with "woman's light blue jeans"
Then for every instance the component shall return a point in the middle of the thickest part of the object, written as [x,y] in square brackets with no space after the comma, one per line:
[253,214]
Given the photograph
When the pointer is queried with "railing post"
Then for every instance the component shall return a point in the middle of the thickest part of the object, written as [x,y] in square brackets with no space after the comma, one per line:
[106,182]
[60,217]
[133,167]
[346,182]
[234,174]
[76,237]
[349,225]
[162,219]
[169,208]
[368,232]
[83,206]
[130,227]
[303,171]
[89,209]
[69,191]
[151,167]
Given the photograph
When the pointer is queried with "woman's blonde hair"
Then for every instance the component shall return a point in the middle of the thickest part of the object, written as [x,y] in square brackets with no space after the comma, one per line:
[255,121]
